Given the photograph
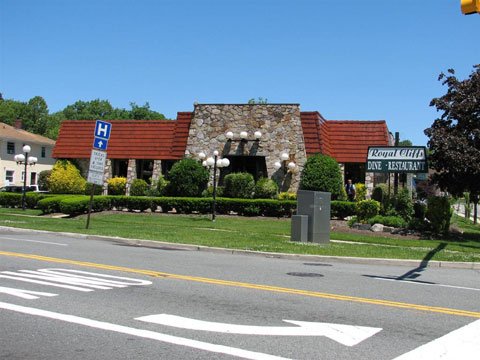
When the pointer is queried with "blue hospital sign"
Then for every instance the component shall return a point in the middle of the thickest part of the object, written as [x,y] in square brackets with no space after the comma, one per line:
[102,130]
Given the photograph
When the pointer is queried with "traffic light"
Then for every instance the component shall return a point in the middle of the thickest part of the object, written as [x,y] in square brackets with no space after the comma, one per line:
[470,6]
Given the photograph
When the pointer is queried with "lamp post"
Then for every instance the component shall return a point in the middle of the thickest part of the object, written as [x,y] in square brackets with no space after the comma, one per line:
[216,163]
[26,160]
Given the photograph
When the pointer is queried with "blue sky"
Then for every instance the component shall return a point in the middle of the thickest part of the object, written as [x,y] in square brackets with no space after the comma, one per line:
[348,59]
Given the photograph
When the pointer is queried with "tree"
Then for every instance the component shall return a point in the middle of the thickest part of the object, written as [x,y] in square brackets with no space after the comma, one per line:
[36,117]
[322,173]
[187,178]
[65,178]
[454,138]
[260,100]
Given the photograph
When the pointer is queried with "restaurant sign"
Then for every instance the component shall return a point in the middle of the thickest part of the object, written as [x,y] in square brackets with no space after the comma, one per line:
[397,159]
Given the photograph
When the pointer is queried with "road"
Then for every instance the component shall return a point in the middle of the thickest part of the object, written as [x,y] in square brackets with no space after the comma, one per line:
[64,297]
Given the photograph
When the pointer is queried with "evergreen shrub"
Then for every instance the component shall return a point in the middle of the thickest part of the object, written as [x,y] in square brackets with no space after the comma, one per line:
[139,187]
[438,214]
[65,178]
[393,221]
[265,189]
[360,192]
[239,185]
[342,209]
[322,173]
[287,196]
[187,178]
[117,185]
[367,209]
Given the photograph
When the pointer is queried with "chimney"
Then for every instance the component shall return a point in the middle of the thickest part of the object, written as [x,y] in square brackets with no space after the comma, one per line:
[18,124]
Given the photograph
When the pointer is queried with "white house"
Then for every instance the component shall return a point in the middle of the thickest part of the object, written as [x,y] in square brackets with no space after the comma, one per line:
[12,140]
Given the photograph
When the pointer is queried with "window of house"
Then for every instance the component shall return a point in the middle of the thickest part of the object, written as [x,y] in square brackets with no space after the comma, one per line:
[33,178]
[9,176]
[10,148]
[44,150]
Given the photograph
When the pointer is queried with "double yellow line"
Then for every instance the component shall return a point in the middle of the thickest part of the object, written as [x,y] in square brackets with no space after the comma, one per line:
[276,289]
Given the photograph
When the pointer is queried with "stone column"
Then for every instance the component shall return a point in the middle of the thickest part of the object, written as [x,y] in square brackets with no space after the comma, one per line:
[131,174]
[157,171]
[107,174]
[369,176]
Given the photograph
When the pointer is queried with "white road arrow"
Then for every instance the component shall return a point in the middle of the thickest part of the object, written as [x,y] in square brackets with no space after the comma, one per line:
[347,335]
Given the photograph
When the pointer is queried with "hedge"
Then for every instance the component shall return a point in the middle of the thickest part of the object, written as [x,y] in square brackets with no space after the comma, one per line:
[13,200]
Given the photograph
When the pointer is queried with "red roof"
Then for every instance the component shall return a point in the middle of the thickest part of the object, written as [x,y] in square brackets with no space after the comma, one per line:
[129,139]
[345,140]
[350,139]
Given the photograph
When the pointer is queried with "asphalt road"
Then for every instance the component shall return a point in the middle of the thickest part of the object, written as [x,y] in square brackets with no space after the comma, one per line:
[64,297]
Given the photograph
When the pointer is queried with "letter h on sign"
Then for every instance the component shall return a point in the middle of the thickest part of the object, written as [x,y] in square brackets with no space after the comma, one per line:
[102,129]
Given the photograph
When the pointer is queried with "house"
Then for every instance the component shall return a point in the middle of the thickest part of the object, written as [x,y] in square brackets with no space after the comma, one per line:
[267,140]
[12,140]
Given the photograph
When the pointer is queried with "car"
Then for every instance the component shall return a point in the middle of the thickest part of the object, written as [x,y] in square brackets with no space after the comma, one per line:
[19,189]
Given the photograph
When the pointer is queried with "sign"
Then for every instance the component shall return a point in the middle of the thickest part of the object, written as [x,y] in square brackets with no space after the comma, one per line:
[101,135]
[97,161]
[95,177]
[397,159]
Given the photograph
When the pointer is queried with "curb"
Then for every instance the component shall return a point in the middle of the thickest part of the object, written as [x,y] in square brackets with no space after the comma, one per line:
[303,257]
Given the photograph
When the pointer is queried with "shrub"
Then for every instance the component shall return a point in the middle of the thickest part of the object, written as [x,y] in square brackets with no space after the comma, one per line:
[439,214]
[51,204]
[187,178]
[393,221]
[77,205]
[65,178]
[239,185]
[403,204]
[380,194]
[419,210]
[137,203]
[322,173]
[287,196]
[117,186]
[43,179]
[367,209]
[209,191]
[360,192]
[32,198]
[10,200]
[160,185]
[88,189]
[342,209]
[139,187]
[265,189]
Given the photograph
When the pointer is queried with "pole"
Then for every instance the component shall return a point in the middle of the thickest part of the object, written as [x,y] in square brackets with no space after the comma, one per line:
[395,176]
[24,192]
[214,204]
[90,205]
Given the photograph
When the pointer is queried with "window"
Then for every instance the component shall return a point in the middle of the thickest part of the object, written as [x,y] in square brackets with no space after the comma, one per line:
[33,178]
[10,148]
[9,176]
[44,150]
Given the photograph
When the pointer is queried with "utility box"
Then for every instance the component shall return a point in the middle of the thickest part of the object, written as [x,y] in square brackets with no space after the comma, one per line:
[316,205]
[299,228]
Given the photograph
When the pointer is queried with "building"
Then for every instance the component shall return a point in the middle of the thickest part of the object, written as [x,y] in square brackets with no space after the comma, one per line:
[267,140]
[12,140]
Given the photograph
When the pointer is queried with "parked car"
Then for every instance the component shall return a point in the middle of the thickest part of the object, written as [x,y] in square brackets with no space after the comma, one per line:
[19,189]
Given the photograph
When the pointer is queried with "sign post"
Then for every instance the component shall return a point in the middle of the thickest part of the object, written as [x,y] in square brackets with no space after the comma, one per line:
[98,159]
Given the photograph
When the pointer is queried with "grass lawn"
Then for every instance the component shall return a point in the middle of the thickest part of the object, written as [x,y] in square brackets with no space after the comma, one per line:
[256,234]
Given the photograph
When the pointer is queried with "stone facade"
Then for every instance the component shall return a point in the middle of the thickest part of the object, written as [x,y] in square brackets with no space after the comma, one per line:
[279,124]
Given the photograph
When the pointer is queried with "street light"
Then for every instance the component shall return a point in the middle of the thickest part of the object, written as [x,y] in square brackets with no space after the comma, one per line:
[216,163]
[25,160]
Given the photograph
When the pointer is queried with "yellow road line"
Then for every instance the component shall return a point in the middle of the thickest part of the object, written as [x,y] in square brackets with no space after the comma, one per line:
[276,289]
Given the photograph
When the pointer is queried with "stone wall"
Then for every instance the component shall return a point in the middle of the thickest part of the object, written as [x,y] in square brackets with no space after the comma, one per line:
[279,124]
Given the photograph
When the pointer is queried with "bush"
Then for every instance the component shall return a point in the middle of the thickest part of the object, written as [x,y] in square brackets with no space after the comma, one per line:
[209,191]
[77,205]
[393,221]
[117,186]
[322,173]
[380,194]
[265,189]
[360,192]
[239,186]
[367,209]
[419,210]
[439,213]
[65,178]
[160,185]
[139,187]
[137,203]
[51,204]
[187,178]
[342,209]
[287,196]
[10,200]
[88,189]
[43,179]
[403,204]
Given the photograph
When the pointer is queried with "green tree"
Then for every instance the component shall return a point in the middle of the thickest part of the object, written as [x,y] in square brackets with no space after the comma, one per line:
[36,117]
[454,138]
[88,110]
[260,100]
[10,110]
[322,173]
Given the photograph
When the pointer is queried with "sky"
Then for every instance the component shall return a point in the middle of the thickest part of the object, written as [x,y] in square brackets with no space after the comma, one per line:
[348,59]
